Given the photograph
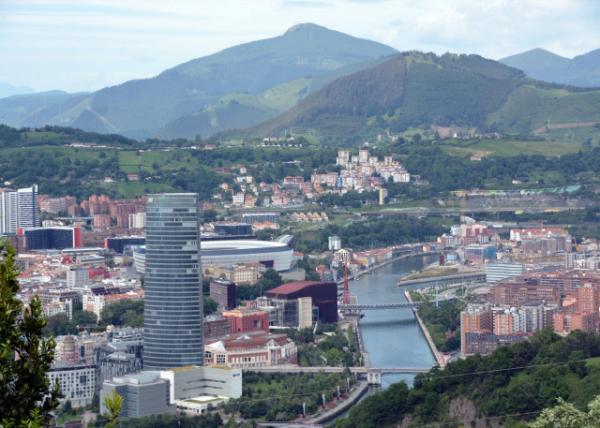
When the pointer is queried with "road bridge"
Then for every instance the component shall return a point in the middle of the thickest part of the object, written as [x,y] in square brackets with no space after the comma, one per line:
[357,370]
[374,306]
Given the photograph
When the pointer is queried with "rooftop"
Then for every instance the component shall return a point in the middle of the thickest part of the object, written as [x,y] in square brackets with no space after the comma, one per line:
[293,287]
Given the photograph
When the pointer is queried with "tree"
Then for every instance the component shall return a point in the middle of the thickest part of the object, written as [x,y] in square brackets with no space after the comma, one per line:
[25,355]
[124,312]
[84,318]
[113,403]
[566,415]
[210,306]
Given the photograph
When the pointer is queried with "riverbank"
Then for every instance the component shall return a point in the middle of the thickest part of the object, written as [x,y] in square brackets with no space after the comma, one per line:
[340,407]
[439,357]
[385,263]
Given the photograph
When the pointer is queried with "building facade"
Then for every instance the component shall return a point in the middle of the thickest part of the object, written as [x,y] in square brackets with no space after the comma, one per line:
[173,291]
[18,208]
[77,383]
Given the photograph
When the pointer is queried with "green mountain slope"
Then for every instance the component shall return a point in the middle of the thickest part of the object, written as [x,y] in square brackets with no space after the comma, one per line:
[582,70]
[141,108]
[241,110]
[419,90]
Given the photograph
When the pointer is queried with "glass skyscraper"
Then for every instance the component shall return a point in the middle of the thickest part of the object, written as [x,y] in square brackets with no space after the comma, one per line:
[172,283]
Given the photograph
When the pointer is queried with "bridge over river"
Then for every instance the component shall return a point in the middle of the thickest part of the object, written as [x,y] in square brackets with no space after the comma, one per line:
[373,373]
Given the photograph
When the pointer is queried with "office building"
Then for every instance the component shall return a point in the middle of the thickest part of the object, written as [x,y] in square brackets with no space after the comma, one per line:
[51,238]
[119,244]
[77,277]
[259,217]
[233,229]
[495,272]
[192,383]
[137,220]
[323,295]
[18,208]
[144,394]
[334,243]
[173,291]
[223,292]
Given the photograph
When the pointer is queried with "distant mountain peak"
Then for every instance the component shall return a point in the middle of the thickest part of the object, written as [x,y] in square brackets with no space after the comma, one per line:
[305,26]
[583,70]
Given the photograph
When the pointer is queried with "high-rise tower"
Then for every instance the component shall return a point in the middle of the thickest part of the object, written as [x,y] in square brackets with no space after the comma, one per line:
[172,284]
[18,208]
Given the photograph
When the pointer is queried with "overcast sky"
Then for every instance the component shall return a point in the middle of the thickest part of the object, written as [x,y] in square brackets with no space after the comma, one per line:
[81,45]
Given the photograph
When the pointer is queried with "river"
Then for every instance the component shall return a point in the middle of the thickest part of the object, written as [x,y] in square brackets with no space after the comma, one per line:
[392,337]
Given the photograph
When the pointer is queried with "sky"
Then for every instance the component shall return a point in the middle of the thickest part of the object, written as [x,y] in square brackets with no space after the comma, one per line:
[83,45]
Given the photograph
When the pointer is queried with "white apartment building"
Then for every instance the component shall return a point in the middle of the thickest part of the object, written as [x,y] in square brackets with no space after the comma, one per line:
[77,383]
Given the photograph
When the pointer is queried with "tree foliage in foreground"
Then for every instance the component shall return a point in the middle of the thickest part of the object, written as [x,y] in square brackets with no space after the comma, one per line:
[566,415]
[519,380]
[25,355]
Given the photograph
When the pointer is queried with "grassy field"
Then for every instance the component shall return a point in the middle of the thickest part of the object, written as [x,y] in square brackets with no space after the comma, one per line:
[131,189]
[506,148]
[132,161]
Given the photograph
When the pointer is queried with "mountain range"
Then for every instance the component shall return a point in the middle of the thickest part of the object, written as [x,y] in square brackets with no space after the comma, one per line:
[415,89]
[582,70]
[331,84]
[237,87]
[7,90]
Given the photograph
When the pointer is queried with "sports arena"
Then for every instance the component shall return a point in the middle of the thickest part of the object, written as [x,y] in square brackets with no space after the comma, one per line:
[275,255]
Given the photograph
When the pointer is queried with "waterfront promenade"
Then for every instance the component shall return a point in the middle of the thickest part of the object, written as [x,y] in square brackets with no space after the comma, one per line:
[439,357]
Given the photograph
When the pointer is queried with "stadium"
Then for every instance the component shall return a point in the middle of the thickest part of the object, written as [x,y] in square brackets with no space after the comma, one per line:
[270,254]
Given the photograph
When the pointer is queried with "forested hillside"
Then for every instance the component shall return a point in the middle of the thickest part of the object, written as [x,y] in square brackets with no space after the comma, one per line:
[509,387]
[415,89]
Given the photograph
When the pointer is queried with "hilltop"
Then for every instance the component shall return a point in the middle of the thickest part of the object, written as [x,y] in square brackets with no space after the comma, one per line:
[238,86]
[417,89]
[582,70]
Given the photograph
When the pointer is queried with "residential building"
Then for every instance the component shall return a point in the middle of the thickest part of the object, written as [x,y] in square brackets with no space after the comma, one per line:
[520,292]
[476,318]
[77,382]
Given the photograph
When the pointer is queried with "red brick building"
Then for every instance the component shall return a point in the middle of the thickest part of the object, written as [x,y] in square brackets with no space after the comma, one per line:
[245,320]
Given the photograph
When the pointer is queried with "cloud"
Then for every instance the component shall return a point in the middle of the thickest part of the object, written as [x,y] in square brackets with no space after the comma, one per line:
[87,45]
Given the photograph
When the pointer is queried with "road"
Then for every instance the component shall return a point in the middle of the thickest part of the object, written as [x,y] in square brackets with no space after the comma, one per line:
[357,370]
